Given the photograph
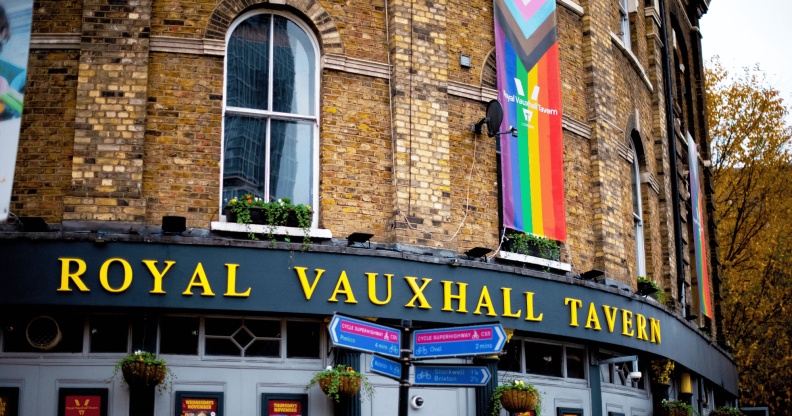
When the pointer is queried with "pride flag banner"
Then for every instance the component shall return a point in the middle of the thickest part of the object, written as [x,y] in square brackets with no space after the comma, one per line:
[529,89]
[698,230]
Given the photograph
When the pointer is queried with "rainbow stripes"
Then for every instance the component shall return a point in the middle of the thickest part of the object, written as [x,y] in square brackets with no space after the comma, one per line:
[529,88]
[698,231]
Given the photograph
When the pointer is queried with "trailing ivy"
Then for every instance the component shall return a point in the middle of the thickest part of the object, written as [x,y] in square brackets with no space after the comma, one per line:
[660,295]
[275,215]
[548,249]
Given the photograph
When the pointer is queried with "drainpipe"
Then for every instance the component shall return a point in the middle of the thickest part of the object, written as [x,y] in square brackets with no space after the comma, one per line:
[673,154]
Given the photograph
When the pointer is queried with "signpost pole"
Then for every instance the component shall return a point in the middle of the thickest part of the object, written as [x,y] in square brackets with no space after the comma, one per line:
[404,382]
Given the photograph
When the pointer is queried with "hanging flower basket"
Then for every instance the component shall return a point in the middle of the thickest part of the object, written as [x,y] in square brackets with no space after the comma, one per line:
[348,386]
[516,397]
[143,369]
[341,383]
[519,401]
[142,375]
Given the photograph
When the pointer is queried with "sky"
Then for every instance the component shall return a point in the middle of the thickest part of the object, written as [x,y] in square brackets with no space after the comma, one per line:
[744,33]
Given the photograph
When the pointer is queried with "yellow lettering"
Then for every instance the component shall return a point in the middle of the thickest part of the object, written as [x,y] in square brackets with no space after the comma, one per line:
[66,275]
[372,287]
[627,323]
[448,297]
[484,300]
[202,282]
[127,275]
[593,318]
[423,304]
[507,304]
[641,326]
[574,304]
[152,266]
[308,289]
[529,308]
[654,324]
[610,316]
[231,292]
[346,291]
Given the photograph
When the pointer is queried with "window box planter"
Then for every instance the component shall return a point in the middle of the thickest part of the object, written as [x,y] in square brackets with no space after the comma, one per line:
[533,250]
[258,216]
[646,288]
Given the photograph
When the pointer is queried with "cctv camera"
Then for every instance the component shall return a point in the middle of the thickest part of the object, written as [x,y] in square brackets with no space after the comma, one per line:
[417,402]
[635,375]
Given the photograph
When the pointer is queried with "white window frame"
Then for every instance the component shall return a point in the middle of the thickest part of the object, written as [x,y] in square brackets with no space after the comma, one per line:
[270,115]
[624,17]
[564,375]
[642,390]
[638,223]
[201,356]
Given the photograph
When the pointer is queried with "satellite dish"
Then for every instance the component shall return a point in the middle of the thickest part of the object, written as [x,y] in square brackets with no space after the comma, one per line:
[494,116]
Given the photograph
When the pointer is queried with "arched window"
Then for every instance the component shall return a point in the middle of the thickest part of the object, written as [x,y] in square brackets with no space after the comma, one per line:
[270,109]
[640,255]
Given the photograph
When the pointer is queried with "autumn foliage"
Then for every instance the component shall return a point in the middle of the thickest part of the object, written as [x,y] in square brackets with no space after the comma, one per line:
[750,148]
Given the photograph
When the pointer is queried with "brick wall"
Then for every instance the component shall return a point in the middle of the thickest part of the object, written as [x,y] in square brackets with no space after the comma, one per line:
[57,16]
[46,143]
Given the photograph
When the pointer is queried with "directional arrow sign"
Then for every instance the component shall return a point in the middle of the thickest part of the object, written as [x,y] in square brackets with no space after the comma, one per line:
[459,341]
[386,367]
[365,336]
[451,375]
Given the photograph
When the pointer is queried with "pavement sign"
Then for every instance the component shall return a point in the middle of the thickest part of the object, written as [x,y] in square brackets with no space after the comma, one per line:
[451,375]
[365,336]
[386,367]
[459,341]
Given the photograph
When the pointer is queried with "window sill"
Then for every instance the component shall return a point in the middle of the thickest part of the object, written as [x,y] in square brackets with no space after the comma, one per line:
[522,258]
[233,227]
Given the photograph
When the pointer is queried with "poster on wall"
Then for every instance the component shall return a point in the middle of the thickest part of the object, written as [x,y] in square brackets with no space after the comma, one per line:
[696,202]
[196,403]
[9,401]
[529,89]
[15,21]
[82,402]
[284,404]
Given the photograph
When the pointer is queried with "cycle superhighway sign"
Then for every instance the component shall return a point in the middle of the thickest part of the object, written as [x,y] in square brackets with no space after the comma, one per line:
[460,341]
[365,336]
[451,375]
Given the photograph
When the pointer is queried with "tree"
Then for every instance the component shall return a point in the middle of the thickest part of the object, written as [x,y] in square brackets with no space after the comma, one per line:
[753,197]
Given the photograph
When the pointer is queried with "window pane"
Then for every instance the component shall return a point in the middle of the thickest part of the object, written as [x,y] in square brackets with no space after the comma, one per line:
[247,55]
[43,332]
[575,359]
[543,359]
[263,348]
[291,164]
[294,66]
[264,328]
[302,339]
[222,346]
[244,168]
[605,369]
[179,335]
[222,326]
[109,333]
[511,361]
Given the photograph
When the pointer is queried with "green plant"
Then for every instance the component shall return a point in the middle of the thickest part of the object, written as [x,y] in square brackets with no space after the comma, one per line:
[276,213]
[515,384]
[726,411]
[548,248]
[150,360]
[335,379]
[678,405]
[660,295]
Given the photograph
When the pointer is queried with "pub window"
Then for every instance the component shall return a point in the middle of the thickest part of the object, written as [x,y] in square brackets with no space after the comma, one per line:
[242,337]
[53,333]
[302,339]
[543,358]
[618,373]
[109,333]
[270,111]
[179,335]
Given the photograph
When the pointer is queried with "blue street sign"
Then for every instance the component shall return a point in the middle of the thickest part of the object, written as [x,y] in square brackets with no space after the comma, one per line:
[451,375]
[365,336]
[386,367]
[459,341]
